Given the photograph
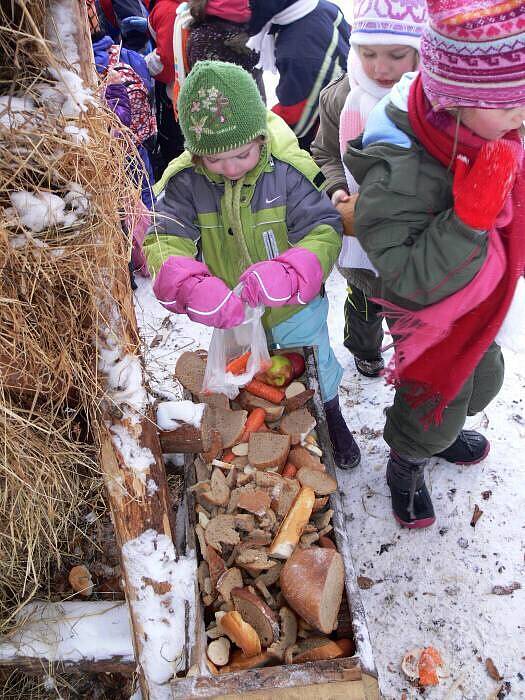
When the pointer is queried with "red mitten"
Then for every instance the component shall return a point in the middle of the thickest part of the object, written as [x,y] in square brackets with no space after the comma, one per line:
[480,191]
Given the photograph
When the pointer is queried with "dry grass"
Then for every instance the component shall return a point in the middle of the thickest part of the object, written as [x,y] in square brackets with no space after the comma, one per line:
[56,290]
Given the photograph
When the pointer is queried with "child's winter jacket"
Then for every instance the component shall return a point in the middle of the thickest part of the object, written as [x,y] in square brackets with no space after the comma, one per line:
[309,54]
[404,218]
[279,206]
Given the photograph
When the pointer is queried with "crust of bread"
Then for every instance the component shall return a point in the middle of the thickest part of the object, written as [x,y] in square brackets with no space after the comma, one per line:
[241,633]
[292,526]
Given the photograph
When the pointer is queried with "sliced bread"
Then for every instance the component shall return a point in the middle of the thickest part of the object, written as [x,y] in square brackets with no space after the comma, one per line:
[255,501]
[301,457]
[297,425]
[241,633]
[230,424]
[293,525]
[322,483]
[267,450]
[189,370]
[256,613]
[215,400]
[312,582]
[249,402]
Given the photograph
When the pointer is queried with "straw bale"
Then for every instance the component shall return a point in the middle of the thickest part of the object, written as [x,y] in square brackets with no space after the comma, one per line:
[53,284]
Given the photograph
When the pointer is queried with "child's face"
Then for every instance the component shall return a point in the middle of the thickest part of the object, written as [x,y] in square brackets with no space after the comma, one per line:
[386,64]
[492,124]
[236,163]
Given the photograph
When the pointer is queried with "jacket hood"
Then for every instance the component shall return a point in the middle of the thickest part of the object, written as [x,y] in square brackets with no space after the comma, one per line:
[263,11]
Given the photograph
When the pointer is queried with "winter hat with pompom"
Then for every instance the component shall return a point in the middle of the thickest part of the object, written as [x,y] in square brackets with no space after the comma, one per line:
[220,108]
[473,54]
[377,22]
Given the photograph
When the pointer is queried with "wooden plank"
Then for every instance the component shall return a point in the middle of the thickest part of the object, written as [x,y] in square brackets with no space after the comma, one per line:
[37,665]
[138,495]
[341,524]
[266,681]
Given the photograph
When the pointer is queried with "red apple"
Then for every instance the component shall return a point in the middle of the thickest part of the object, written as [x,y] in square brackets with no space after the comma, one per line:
[280,372]
[297,361]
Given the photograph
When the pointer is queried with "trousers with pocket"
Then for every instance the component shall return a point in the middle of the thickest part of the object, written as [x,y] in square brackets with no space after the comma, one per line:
[404,431]
[309,327]
[363,331]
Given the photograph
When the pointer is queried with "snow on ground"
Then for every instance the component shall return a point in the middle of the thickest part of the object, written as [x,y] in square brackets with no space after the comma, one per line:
[433,586]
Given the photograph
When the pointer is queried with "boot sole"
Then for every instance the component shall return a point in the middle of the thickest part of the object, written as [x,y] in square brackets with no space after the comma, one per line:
[370,375]
[468,463]
[353,465]
[415,524]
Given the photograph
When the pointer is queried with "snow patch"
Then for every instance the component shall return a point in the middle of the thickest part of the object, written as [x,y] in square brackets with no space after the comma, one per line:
[151,487]
[70,631]
[172,414]
[137,458]
[150,560]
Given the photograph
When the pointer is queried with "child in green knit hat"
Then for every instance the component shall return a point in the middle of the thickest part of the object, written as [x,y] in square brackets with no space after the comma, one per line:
[244,204]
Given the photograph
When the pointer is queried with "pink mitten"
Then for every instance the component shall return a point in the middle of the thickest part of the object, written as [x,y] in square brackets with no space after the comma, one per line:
[185,285]
[295,277]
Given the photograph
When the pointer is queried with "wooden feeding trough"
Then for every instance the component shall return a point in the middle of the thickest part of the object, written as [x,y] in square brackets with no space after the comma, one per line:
[351,678]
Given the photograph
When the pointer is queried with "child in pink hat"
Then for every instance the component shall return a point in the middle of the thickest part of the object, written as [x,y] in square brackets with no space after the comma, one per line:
[384,44]
[440,215]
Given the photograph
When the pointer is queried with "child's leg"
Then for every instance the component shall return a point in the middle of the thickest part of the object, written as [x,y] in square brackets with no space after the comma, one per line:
[405,433]
[363,332]
[488,379]
[309,327]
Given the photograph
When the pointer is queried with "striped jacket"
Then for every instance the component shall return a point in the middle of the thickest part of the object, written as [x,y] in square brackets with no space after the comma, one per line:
[279,205]
[309,54]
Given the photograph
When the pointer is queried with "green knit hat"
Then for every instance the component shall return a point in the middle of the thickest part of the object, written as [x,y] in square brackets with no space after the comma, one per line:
[220,108]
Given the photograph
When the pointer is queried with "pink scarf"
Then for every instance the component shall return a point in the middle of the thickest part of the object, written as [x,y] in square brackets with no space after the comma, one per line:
[437,348]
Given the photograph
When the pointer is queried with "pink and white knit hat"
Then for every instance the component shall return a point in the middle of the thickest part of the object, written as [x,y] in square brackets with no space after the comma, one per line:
[385,22]
[473,53]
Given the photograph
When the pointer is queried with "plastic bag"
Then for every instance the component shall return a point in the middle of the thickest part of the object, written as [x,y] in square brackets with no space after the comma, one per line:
[229,343]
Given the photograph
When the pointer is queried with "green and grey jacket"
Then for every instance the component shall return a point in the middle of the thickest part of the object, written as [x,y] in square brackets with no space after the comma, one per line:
[404,216]
[230,225]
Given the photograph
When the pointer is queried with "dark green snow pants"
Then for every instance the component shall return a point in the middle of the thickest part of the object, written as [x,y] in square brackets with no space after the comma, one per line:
[407,436]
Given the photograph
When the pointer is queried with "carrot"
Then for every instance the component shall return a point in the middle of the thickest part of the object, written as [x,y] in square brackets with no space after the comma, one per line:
[238,364]
[264,429]
[428,661]
[289,470]
[265,391]
[228,457]
[346,645]
[253,422]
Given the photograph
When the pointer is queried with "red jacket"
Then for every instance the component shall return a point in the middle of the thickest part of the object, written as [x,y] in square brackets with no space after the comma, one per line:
[162,19]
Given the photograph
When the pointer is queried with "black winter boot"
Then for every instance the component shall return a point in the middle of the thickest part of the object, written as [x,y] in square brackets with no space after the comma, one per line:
[470,447]
[346,452]
[369,368]
[411,500]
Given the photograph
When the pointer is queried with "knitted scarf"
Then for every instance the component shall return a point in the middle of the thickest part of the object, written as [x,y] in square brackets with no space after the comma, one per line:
[437,348]
[363,96]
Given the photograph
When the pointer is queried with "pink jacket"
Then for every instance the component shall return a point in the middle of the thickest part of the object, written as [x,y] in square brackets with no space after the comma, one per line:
[232,10]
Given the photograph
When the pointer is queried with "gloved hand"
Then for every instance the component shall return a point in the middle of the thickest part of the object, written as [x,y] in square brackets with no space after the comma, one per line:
[480,190]
[153,63]
[184,285]
[295,277]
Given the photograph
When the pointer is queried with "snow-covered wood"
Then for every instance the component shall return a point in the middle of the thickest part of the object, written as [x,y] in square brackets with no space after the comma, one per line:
[91,636]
